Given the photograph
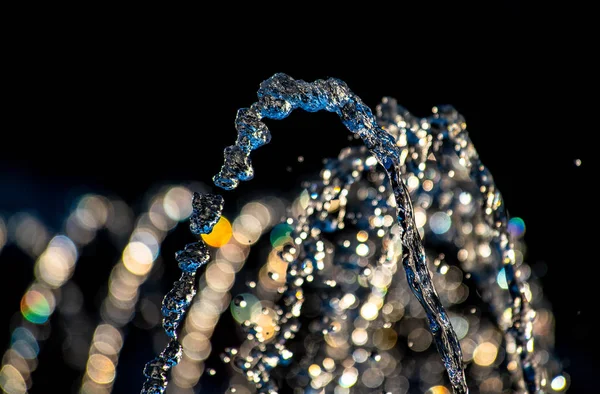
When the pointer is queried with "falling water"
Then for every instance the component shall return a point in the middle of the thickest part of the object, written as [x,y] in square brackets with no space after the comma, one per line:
[278,96]
[206,213]
[329,311]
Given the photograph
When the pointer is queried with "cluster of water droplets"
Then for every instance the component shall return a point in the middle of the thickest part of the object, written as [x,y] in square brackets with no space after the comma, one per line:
[444,136]
[206,213]
[278,96]
[360,328]
[335,320]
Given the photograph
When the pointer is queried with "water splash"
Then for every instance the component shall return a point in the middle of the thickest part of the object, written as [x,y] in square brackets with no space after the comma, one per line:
[278,96]
[206,213]
[446,132]
[404,147]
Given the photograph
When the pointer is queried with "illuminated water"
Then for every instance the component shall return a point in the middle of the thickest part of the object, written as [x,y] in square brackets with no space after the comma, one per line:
[330,310]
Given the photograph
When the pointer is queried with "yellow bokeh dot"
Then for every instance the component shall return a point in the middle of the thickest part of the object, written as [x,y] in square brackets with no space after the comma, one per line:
[101,369]
[559,383]
[485,354]
[220,235]
[314,370]
[438,390]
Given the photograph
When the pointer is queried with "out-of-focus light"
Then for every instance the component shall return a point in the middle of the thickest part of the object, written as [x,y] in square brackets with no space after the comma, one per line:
[360,336]
[92,212]
[280,234]
[485,354]
[11,380]
[420,217]
[516,227]
[29,233]
[362,236]
[314,370]
[234,253]
[186,374]
[559,383]
[220,235]
[362,250]
[369,311]
[394,310]
[501,279]
[137,258]
[460,325]
[348,378]
[25,350]
[304,199]
[468,347]
[148,237]
[371,161]
[347,301]
[440,222]
[578,162]
[385,338]
[220,276]
[419,339]
[260,211]
[381,278]
[36,307]
[158,217]
[177,203]
[107,340]
[22,334]
[242,306]
[465,198]
[265,323]
[484,250]
[373,377]
[437,390]
[246,229]
[412,182]
[427,185]
[329,364]
[100,369]
[55,265]
[196,346]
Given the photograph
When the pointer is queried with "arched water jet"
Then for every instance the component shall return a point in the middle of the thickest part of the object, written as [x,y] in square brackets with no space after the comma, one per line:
[281,94]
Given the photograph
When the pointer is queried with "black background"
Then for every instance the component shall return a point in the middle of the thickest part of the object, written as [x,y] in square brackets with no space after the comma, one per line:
[121,103]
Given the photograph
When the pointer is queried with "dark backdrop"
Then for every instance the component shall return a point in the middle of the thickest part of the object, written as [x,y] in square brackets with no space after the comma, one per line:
[119,104]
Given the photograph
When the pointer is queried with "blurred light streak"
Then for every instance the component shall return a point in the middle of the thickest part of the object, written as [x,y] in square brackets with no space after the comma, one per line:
[53,267]
[166,209]
[214,297]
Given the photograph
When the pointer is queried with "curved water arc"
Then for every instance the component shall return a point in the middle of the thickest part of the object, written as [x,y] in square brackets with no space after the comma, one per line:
[278,97]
